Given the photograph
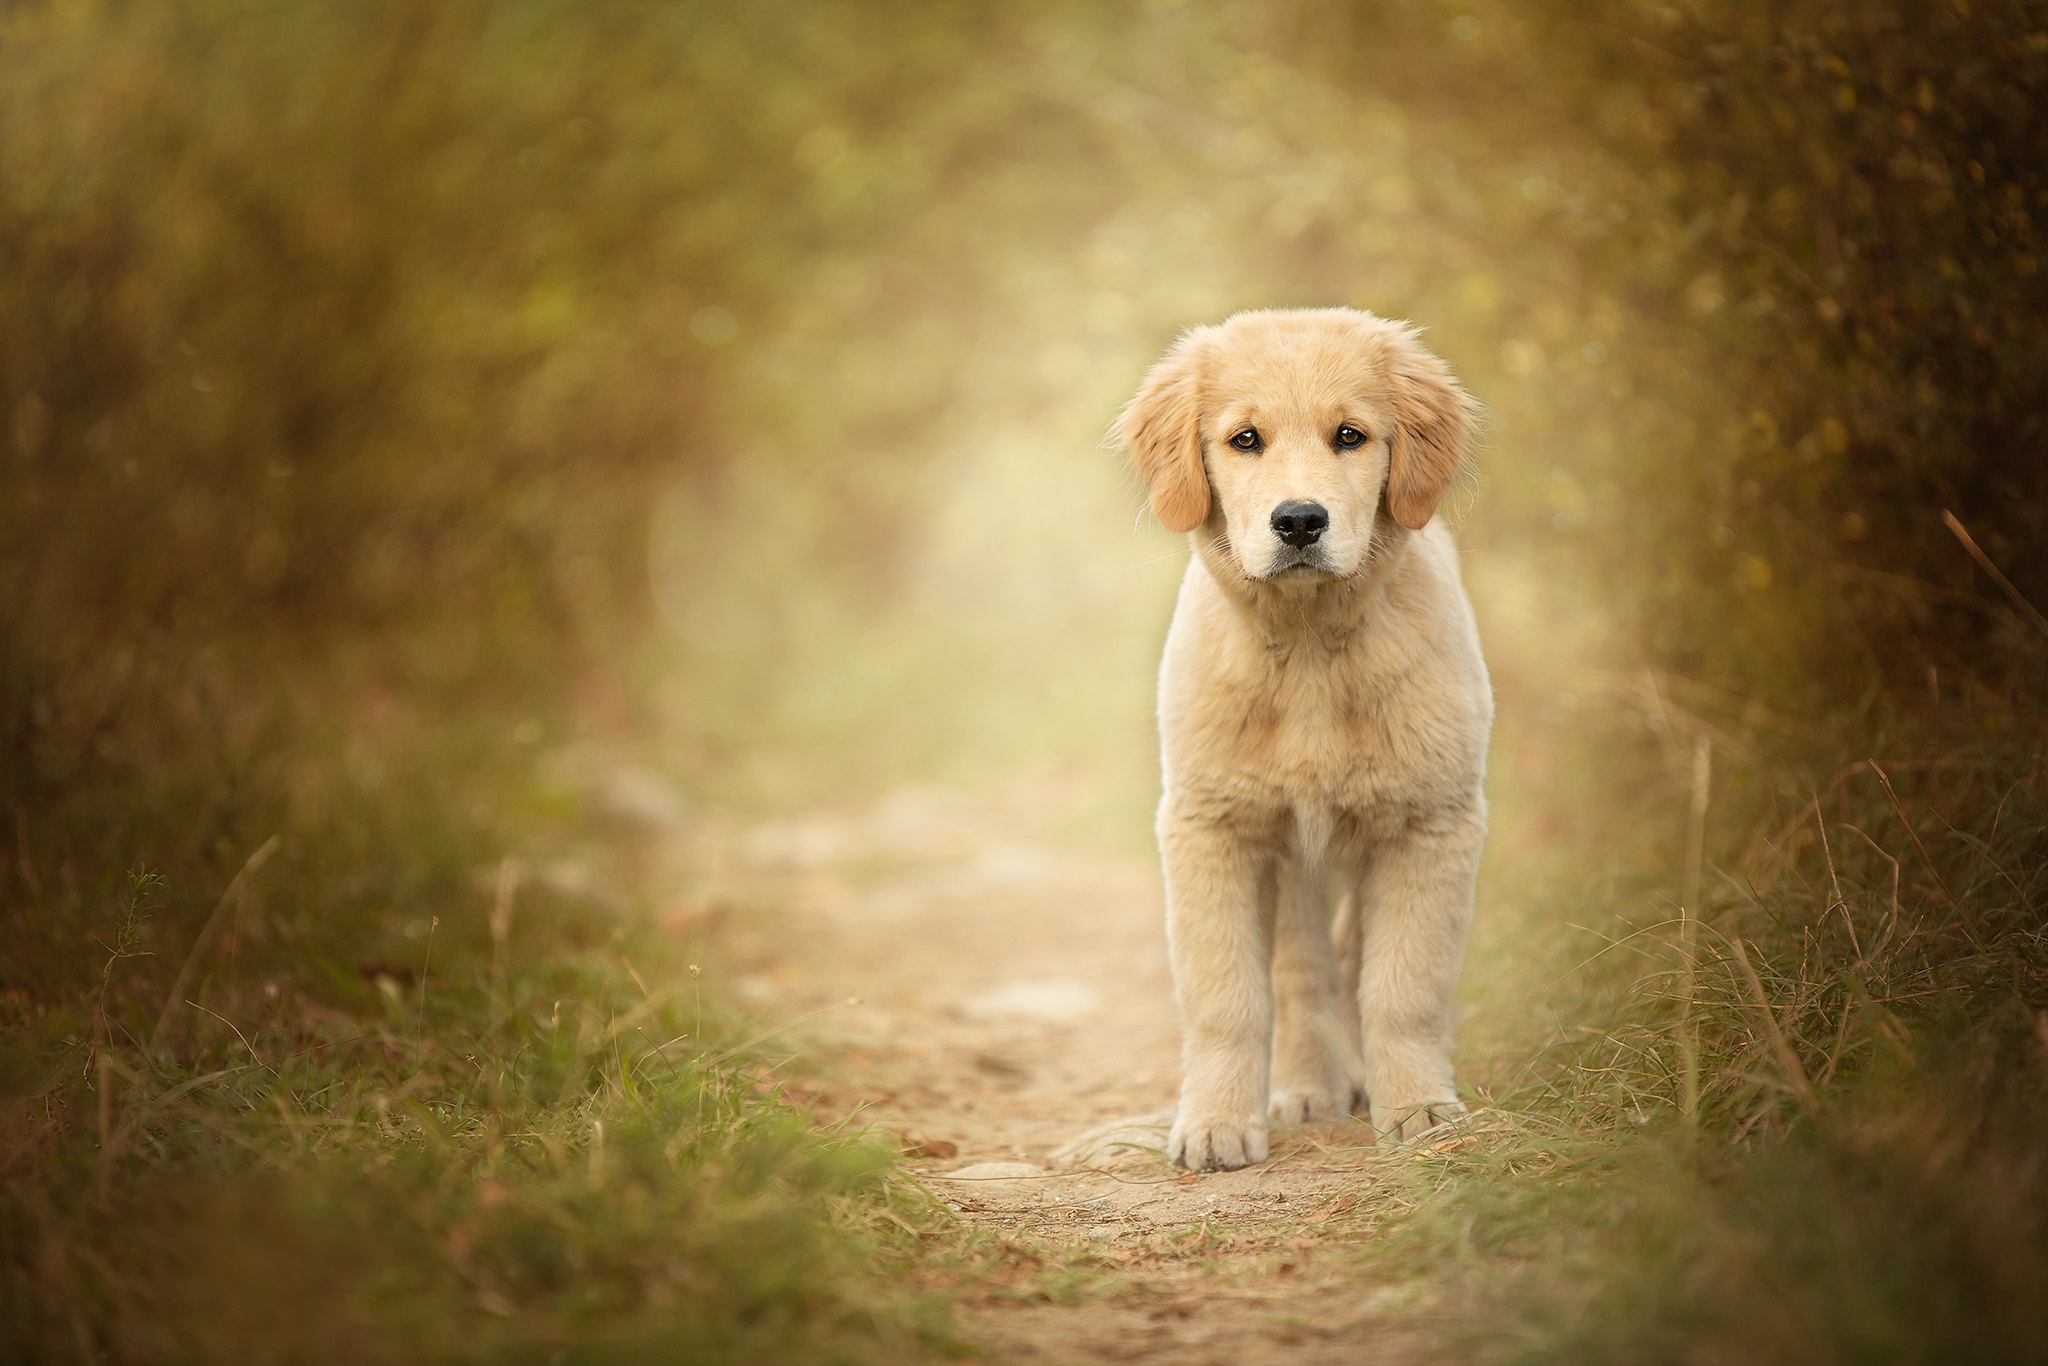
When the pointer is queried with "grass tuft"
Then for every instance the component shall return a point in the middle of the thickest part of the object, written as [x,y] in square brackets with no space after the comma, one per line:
[510,1150]
[1801,1126]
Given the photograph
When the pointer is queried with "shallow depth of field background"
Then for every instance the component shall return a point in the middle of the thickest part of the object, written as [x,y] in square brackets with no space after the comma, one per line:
[412,410]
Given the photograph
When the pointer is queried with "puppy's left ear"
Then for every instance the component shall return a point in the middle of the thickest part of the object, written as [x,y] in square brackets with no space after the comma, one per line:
[1162,428]
[1432,424]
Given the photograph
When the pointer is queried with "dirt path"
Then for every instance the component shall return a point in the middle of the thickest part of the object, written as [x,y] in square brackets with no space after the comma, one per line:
[1014,997]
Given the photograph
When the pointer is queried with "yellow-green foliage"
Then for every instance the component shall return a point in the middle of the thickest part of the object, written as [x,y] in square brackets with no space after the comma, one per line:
[1842,200]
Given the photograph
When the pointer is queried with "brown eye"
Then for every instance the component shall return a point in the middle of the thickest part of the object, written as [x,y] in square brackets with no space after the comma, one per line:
[1246,440]
[1350,437]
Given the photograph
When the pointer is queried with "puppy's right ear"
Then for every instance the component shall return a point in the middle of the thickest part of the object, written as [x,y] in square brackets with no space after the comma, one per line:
[1162,428]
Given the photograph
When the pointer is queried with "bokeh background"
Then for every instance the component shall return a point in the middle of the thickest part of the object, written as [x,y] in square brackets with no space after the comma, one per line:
[734,381]
[403,400]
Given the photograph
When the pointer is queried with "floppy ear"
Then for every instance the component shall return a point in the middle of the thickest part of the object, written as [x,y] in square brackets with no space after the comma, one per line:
[1162,428]
[1432,423]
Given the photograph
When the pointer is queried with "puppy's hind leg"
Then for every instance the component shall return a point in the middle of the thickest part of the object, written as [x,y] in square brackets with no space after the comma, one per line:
[1310,1080]
[1347,931]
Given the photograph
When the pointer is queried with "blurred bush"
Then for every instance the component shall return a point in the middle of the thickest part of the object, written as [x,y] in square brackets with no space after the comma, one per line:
[1779,268]
[352,352]
[346,349]
[356,355]
[331,372]
[1841,199]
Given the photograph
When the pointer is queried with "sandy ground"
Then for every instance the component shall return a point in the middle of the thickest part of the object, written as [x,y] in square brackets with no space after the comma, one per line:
[1015,1021]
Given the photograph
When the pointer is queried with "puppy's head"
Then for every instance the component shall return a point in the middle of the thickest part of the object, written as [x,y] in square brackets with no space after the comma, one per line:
[1287,432]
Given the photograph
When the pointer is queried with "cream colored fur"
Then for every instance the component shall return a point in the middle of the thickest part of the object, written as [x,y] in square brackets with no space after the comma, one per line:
[1323,718]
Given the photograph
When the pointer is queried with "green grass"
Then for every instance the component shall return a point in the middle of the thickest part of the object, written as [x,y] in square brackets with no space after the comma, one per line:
[480,1147]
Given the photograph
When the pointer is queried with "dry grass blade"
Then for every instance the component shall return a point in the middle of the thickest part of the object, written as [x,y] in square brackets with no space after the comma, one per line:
[238,1034]
[206,932]
[1835,901]
[1795,1073]
[104,1165]
[2019,601]
[501,928]
[420,1032]
[1688,913]
[1969,917]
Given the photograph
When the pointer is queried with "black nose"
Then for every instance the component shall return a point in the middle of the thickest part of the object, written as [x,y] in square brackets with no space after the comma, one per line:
[1300,524]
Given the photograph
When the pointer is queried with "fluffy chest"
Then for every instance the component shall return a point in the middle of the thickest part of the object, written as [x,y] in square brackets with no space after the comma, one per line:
[1364,721]
[1306,734]
[1318,735]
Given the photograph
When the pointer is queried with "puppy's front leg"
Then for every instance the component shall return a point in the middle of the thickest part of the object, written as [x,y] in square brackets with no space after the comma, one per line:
[1221,940]
[1417,904]
[1311,1044]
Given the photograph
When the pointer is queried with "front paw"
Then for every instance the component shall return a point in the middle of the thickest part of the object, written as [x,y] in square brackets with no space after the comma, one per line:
[1211,1143]
[1406,1123]
[1309,1105]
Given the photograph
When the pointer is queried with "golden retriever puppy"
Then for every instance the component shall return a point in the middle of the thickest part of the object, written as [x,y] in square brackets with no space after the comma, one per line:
[1323,718]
